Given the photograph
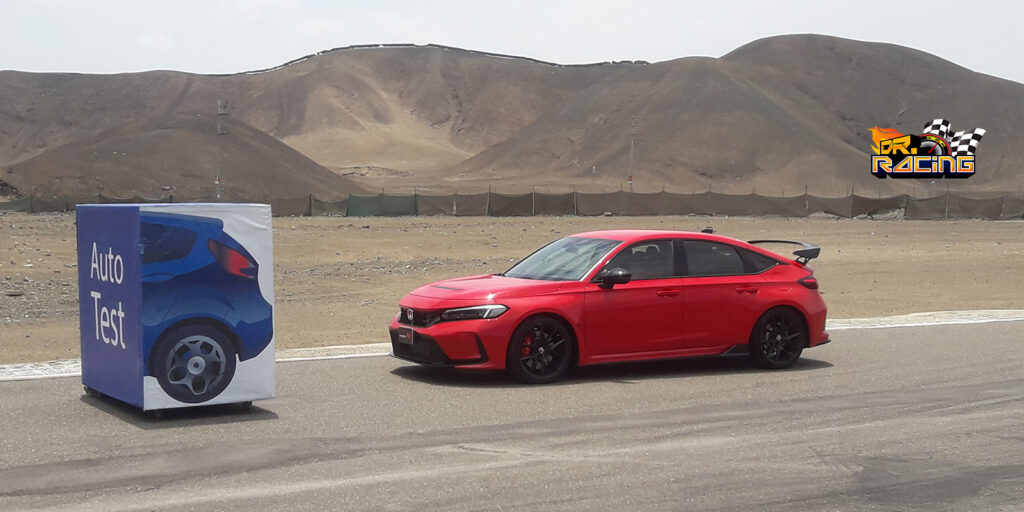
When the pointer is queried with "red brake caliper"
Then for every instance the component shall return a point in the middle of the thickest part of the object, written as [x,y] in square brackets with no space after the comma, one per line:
[525,351]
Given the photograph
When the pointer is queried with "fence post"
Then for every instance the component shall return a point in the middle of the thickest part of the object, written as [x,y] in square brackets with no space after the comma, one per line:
[533,207]
[575,209]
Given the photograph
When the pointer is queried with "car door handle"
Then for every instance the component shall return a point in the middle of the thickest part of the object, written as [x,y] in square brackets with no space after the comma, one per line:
[746,289]
[668,293]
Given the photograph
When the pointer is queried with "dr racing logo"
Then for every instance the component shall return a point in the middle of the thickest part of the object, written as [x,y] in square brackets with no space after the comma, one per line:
[937,153]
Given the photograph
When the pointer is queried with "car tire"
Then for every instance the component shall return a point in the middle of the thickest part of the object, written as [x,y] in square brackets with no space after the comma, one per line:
[540,351]
[194,363]
[778,339]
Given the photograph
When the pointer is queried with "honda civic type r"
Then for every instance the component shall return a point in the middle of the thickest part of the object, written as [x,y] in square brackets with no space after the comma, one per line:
[612,296]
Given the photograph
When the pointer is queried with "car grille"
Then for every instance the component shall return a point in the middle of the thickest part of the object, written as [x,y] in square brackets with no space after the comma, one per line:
[423,350]
[420,317]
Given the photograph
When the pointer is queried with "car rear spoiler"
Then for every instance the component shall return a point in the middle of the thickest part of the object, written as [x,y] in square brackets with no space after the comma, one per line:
[806,253]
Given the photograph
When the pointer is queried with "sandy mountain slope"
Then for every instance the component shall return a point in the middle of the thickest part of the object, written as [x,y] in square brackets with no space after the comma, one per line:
[174,155]
[776,115]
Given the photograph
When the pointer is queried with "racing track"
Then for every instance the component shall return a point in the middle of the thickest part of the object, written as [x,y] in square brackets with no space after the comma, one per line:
[915,418]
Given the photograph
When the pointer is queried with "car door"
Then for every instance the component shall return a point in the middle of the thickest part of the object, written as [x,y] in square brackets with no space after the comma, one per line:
[643,315]
[721,294]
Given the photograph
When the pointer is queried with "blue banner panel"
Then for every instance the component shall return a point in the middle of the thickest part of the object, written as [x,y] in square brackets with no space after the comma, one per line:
[110,301]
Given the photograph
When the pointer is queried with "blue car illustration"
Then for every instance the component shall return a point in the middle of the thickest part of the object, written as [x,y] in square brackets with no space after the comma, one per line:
[203,310]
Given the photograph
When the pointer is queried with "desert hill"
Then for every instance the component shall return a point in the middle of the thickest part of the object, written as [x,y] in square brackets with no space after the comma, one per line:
[173,156]
[128,135]
[775,115]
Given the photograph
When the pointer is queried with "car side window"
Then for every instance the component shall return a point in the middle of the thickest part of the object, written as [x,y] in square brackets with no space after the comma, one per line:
[754,263]
[646,260]
[712,259]
[163,243]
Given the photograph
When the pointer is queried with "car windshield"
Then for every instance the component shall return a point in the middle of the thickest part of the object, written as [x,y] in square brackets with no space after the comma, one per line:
[567,259]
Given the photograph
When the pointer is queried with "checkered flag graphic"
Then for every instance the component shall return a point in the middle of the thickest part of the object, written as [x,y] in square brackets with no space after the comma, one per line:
[938,127]
[965,143]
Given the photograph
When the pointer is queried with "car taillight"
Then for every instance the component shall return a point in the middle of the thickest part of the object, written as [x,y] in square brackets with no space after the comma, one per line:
[232,261]
[809,282]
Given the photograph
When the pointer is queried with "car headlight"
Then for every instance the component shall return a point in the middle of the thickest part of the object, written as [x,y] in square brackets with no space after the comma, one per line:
[474,312]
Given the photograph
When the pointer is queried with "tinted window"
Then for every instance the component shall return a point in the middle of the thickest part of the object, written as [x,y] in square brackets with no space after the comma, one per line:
[567,259]
[712,259]
[162,243]
[754,263]
[646,260]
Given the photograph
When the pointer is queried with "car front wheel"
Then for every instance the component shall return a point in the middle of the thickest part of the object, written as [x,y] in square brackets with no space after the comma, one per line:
[540,351]
[778,339]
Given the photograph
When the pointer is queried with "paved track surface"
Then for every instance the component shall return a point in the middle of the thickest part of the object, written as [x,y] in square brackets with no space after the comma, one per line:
[923,418]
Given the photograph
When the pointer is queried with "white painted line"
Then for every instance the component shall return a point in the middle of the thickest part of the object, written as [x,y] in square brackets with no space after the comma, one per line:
[333,352]
[73,367]
[5,378]
[922,324]
[928,319]
[339,356]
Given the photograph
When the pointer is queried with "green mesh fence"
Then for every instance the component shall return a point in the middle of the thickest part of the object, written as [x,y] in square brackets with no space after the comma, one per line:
[952,206]
[397,206]
[365,206]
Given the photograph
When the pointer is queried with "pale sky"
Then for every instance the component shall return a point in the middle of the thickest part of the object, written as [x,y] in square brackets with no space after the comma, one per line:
[227,36]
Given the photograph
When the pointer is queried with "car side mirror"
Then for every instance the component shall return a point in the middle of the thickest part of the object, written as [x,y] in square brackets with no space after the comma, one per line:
[610,278]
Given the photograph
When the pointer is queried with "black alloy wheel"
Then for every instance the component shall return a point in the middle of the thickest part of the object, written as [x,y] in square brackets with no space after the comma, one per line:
[541,351]
[778,339]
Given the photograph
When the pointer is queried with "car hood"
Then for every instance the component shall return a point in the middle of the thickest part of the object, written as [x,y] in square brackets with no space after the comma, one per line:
[486,287]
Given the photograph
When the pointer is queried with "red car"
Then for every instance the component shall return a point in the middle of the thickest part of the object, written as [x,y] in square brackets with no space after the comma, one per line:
[611,296]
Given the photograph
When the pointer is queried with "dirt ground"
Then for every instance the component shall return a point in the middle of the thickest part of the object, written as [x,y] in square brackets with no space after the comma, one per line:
[338,280]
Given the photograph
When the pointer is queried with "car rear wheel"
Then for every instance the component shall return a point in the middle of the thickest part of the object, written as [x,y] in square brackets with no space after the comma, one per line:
[194,363]
[540,351]
[778,339]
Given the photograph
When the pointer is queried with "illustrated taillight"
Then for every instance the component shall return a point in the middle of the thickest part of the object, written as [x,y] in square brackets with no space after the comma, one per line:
[232,261]
[809,282]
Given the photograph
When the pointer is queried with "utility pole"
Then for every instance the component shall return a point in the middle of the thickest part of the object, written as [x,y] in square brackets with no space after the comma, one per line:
[222,110]
[632,134]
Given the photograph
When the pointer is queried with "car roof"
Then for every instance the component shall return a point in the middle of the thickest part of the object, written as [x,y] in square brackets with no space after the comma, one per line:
[637,235]
[629,236]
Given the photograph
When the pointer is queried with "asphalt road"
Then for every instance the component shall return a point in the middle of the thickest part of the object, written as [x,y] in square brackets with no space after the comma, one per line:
[924,418]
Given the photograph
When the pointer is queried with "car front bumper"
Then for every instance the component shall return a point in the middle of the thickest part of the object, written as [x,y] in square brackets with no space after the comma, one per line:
[477,344]
[423,349]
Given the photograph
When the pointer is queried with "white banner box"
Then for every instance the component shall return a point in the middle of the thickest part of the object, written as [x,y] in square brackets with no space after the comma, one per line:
[177,302]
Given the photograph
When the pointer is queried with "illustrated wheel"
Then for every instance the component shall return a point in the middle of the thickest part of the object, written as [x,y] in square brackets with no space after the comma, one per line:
[194,363]
[540,351]
[778,339]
